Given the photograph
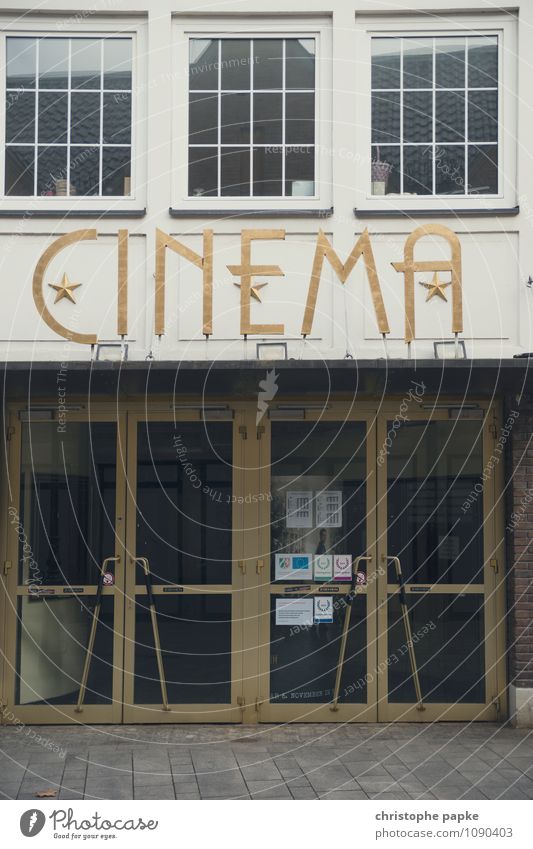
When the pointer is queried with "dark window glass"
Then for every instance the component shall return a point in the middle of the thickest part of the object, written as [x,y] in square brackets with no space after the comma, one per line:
[299,171]
[203,171]
[116,170]
[417,116]
[268,63]
[386,117]
[86,62]
[20,170]
[300,121]
[268,123]
[385,63]
[85,170]
[268,164]
[235,171]
[52,171]
[235,64]
[418,169]
[203,64]
[203,119]
[483,169]
[450,169]
[300,63]
[117,63]
[53,63]
[20,116]
[483,62]
[450,116]
[117,118]
[418,63]
[235,119]
[483,116]
[84,117]
[53,118]
[20,62]
[450,63]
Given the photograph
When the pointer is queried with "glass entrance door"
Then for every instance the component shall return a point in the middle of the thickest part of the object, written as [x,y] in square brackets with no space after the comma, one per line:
[183,585]
[64,605]
[317,624]
[440,645]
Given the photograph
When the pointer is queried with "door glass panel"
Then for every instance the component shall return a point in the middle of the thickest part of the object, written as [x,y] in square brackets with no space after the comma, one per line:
[67,502]
[317,467]
[195,635]
[448,640]
[184,501]
[435,501]
[303,659]
[52,638]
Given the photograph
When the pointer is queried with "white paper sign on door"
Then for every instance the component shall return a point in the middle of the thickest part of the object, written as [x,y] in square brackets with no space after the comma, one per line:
[294,611]
[329,509]
[299,509]
[342,567]
[323,567]
[324,608]
[294,567]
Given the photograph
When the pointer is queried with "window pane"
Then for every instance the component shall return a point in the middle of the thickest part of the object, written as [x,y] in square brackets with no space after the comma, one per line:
[386,117]
[450,116]
[203,171]
[117,118]
[20,57]
[235,171]
[53,62]
[417,170]
[450,62]
[19,170]
[300,171]
[268,171]
[300,119]
[418,63]
[52,171]
[268,124]
[483,169]
[203,119]
[385,63]
[20,116]
[117,63]
[116,171]
[235,63]
[300,63]
[203,64]
[483,62]
[385,169]
[84,118]
[268,63]
[483,116]
[85,63]
[235,119]
[418,116]
[450,169]
[85,170]
[53,115]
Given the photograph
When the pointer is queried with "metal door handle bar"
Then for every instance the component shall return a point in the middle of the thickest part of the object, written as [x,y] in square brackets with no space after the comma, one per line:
[349,598]
[92,633]
[155,628]
[408,633]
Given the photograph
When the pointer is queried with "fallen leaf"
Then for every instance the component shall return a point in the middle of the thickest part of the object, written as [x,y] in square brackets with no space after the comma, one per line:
[45,794]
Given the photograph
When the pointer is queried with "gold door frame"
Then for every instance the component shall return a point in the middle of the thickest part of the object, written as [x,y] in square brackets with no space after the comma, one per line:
[58,713]
[492,588]
[317,712]
[207,712]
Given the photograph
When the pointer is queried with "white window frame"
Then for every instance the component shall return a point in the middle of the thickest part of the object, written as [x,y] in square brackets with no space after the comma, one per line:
[84,203]
[320,30]
[503,26]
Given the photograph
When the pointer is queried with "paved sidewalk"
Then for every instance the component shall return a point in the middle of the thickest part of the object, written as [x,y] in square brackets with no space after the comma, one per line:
[444,761]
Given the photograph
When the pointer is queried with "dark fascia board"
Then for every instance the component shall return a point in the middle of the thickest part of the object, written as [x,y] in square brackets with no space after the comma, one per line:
[72,213]
[250,213]
[437,213]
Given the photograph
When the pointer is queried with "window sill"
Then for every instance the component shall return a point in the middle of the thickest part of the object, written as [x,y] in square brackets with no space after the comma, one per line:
[435,212]
[251,213]
[72,213]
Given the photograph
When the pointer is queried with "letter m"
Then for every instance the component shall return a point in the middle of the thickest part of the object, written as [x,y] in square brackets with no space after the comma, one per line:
[324,250]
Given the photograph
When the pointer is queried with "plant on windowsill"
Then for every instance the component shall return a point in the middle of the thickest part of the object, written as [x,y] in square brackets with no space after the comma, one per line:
[381,172]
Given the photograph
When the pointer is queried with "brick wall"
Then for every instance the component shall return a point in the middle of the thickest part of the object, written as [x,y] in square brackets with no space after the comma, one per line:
[519,543]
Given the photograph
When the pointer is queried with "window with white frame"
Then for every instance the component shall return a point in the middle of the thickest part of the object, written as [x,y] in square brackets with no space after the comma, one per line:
[68,119]
[252,111]
[435,103]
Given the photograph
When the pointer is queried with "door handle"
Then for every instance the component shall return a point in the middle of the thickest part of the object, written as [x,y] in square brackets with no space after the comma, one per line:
[242,566]
[260,565]
[407,627]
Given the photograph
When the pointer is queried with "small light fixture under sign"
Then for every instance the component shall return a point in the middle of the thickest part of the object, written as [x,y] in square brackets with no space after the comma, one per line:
[271,351]
[455,350]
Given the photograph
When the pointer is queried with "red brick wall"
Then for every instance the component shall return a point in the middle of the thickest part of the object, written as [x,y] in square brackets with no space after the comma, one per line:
[519,544]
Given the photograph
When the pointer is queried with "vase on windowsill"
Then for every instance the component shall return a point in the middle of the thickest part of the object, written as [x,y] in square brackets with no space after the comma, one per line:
[381,172]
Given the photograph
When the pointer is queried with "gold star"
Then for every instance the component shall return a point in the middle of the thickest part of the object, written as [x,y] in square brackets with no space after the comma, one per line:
[65,289]
[254,290]
[436,287]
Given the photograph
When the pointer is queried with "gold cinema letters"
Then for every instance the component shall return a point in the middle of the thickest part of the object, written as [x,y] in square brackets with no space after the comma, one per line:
[247,272]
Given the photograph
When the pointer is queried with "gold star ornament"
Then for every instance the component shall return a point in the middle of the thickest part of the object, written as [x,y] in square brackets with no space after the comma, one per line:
[254,290]
[64,289]
[436,287]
